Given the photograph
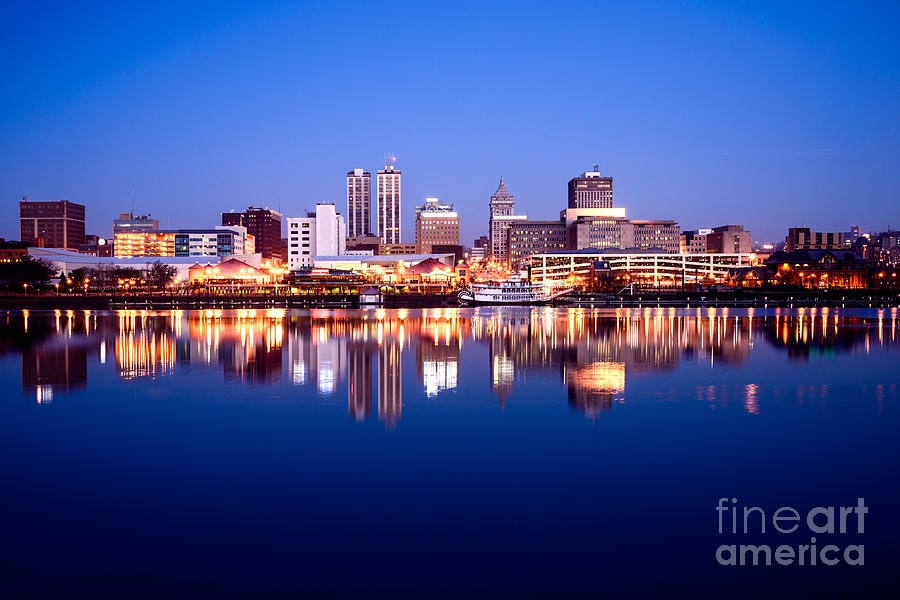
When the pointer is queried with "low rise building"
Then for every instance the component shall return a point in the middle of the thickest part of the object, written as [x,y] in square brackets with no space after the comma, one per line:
[65,261]
[228,275]
[396,249]
[13,251]
[220,241]
[694,242]
[644,267]
[818,268]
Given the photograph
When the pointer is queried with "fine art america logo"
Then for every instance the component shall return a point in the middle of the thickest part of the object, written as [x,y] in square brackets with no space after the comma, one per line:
[827,522]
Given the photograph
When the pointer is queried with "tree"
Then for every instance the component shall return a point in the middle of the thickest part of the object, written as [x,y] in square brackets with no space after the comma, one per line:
[33,271]
[124,273]
[160,275]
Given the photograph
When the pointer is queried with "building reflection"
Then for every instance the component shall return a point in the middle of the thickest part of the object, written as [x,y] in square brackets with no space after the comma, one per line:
[437,358]
[360,360]
[56,367]
[390,382]
[594,354]
[591,353]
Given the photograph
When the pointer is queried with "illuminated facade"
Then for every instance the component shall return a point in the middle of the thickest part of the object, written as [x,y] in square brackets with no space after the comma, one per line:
[436,223]
[644,268]
[359,199]
[144,243]
[389,203]
[534,237]
[591,190]
[222,241]
[657,234]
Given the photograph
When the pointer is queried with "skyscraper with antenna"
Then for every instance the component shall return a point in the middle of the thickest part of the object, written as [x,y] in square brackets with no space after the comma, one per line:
[591,190]
[389,201]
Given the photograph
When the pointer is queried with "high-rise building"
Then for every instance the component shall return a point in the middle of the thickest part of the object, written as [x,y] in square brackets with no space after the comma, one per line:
[502,207]
[591,190]
[58,224]
[265,227]
[321,233]
[359,197]
[389,203]
[436,223]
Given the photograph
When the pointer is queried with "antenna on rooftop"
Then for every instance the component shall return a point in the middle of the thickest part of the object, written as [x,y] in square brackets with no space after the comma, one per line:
[596,167]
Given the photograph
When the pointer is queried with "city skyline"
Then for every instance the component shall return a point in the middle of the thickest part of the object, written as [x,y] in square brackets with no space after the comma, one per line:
[813,144]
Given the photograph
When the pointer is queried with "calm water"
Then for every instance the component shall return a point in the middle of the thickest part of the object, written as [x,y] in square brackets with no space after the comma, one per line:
[481,450]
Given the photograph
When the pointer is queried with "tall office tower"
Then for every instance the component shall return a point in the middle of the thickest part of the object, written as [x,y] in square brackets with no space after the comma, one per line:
[436,223]
[265,227]
[51,224]
[591,190]
[359,197]
[320,233]
[502,206]
[389,202]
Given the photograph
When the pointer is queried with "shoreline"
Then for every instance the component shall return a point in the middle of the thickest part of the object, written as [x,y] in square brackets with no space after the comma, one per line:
[862,298]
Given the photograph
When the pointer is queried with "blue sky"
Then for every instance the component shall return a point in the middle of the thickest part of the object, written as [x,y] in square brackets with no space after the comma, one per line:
[769,114]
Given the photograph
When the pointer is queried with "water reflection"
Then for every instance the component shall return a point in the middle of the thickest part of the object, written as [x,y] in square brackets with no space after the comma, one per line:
[593,354]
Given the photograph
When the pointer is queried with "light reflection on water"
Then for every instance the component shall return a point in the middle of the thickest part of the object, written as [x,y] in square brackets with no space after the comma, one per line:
[502,450]
[594,353]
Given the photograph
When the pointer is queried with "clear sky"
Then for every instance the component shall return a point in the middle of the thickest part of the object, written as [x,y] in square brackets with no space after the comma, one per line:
[769,114]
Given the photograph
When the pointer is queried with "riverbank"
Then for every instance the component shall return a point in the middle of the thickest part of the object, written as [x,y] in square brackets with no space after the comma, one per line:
[741,297]
[653,298]
[220,301]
